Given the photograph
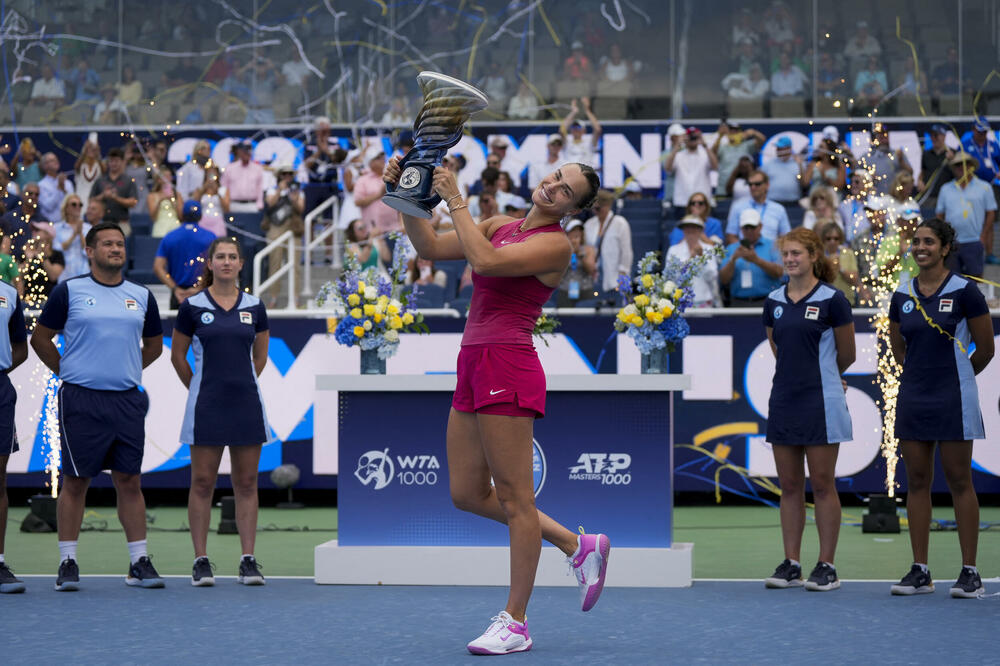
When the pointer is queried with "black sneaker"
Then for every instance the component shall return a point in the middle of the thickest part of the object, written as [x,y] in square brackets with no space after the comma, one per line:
[823,578]
[917,581]
[9,583]
[250,572]
[143,574]
[68,579]
[202,573]
[968,586]
[786,575]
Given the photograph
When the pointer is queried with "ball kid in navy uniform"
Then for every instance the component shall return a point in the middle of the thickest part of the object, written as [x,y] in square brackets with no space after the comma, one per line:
[811,331]
[933,318]
[13,351]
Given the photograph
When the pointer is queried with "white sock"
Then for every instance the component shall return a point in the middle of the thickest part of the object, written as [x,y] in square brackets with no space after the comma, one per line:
[67,550]
[246,555]
[203,557]
[136,549]
[1,557]
[923,567]
[795,563]
[829,564]
[965,566]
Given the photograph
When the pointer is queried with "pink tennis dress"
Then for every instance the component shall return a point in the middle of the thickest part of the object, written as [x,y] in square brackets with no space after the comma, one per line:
[498,369]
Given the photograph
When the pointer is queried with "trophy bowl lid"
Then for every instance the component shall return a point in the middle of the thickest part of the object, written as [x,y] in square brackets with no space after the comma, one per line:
[443,78]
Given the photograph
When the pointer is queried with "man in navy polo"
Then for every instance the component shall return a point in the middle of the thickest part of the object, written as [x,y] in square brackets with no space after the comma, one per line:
[753,267]
[180,259]
[773,216]
[111,331]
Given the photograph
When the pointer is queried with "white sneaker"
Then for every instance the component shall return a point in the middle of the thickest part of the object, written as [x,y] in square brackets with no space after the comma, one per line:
[503,636]
[590,565]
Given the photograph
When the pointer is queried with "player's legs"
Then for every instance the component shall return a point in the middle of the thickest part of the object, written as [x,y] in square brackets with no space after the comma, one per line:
[131,505]
[204,473]
[822,462]
[469,479]
[790,464]
[245,462]
[919,460]
[956,460]
[70,506]
[3,501]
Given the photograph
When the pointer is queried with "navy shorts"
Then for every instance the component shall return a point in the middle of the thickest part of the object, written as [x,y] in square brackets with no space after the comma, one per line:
[8,398]
[967,259]
[101,430]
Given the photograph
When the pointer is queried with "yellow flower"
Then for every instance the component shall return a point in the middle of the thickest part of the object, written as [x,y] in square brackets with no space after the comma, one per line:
[667,309]
[642,300]
[379,317]
[359,332]
[647,280]
[361,287]
[392,309]
[395,322]
[356,313]
[383,300]
[353,300]
[369,309]
[678,294]
[623,316]
[651,314]
[656,319]
[407,318]
[637,320]
[367,325]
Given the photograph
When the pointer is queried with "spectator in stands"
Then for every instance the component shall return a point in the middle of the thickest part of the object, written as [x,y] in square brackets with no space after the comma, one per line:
[116,191]
[284,208]
[244,178]
[691,245]
[71,237]
[746,55]
[52,188]
[397,114]
[164,203]
[48,89]
[822,210]
[40,267]
[934,168]
[611,236]
[423,272]
[256,82]
[690,167]
[523,105]
[784,173]
[16,223]
[862,44]
[982,145]
[911,82]
[867,246]
[180,258]
[87,170]
[826,168]
[615,68]
[802,61]
[487,206]
[578,66]
[553,159]
[901,195]
[508,163]
[350,171]
[25,164]
[969,206]
[214,200]
[870,84]
[579,146]
[8,267]
[324,156]
[744,29]
[788,80]
[753,85]
[130,88]
[842,257]
[368,192]
[84,82]
[852,208]
[185,71]
[138,173]
[675,138]
[578,281]
[780,27]
[109,110]
[752,267]
[488,184]
[95,212]
[773,217]
[360,244]
[829,78]
[737,187]
[494,84]
[192,173]
[698,206]
[884,163]
[731,143]
[295,72]
[945,78]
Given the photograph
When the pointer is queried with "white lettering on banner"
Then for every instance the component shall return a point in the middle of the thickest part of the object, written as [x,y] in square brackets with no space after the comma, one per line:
[619,155]
[267,150]
[611,469]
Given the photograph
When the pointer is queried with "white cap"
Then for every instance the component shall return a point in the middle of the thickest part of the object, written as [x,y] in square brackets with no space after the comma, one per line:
[633,186]
[749,218]
[831,132]
[676,129]
[573,224]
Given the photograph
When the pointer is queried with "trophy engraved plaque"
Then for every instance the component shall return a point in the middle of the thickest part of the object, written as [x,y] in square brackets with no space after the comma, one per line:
[448,103]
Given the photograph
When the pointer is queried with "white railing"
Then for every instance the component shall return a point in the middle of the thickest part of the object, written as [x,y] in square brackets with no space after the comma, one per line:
[333,201]
[288,240]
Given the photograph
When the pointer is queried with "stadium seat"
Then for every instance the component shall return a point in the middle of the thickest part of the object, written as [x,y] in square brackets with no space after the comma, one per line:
[427,296]
[248,222]
[143,253]
[142,224]
[745,108]
[831,107]
[788,107]
[453,269]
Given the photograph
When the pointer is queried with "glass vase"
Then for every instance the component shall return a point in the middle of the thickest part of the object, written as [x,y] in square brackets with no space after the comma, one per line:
[371,364]
[656,362]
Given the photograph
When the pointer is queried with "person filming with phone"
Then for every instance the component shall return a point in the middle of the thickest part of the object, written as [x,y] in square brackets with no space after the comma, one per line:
[752,268]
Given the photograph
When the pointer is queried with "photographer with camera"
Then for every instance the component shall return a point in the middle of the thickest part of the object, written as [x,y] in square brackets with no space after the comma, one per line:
[753,262]
[284,205]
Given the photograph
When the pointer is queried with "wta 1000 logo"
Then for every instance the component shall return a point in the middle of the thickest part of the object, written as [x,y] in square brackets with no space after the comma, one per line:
[377,469]
[611,469]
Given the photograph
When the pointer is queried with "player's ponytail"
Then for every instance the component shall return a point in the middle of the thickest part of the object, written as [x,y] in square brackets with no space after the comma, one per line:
[807,238]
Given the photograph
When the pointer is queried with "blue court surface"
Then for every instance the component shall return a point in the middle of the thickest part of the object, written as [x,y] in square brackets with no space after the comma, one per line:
[293,621]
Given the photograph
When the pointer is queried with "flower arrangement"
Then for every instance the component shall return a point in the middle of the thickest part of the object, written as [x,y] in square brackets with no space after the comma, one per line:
[376,309]
[653,314]
[545,325]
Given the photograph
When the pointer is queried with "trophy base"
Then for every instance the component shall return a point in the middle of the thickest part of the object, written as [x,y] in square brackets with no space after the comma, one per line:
[406,205]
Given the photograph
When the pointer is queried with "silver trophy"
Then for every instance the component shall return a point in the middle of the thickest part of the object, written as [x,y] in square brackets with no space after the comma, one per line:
[448,103]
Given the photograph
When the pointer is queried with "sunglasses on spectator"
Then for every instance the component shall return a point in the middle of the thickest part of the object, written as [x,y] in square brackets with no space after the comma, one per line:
[832,238]
[75,204]
[32,192]
[755,183]
[699,203]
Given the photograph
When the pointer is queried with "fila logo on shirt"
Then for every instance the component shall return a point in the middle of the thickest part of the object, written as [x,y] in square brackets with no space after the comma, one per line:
[246,318]
[3,301]
[946,304]
[812,312]
[131,304]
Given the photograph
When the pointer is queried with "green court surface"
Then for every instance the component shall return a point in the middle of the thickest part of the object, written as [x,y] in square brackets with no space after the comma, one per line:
[730,542]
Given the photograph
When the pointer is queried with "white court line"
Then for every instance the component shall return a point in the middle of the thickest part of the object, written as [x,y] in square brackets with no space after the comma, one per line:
[187,576]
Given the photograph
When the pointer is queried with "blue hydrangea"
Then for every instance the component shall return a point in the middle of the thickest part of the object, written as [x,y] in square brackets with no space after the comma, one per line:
[675,329]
